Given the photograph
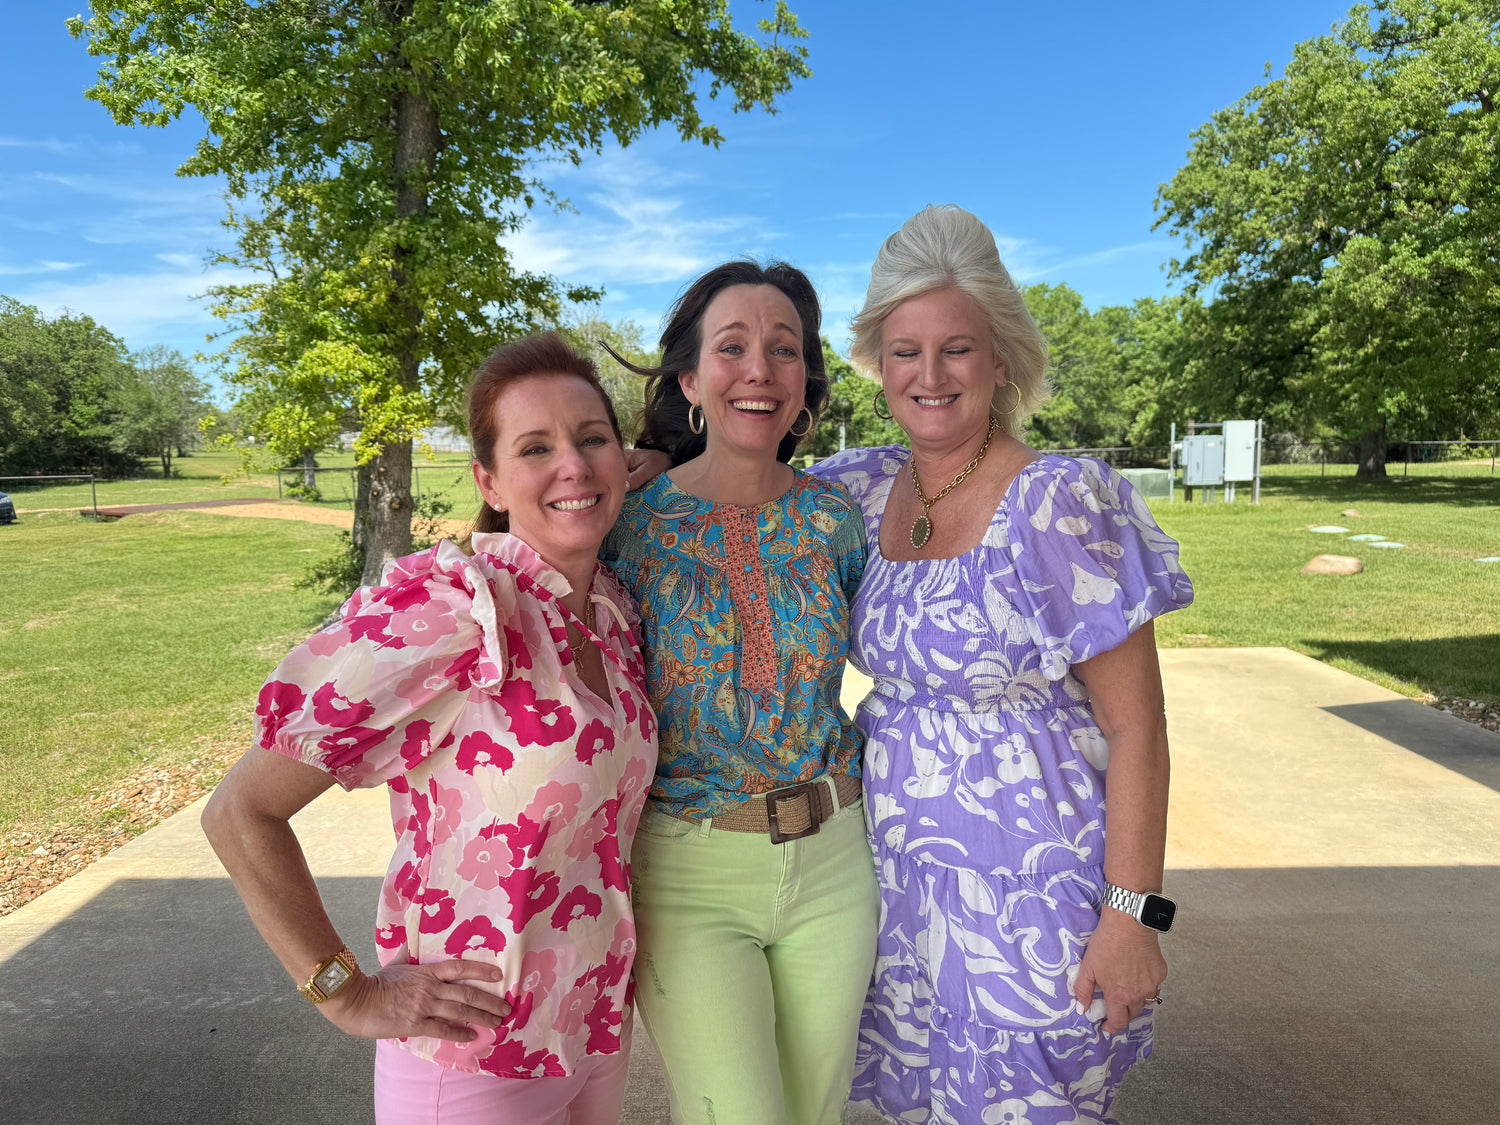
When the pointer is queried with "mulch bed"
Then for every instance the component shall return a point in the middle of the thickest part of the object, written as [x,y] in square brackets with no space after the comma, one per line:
[36,861]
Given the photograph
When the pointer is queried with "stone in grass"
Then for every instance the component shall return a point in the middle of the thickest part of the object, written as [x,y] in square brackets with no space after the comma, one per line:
[1389,543]
[1350,512]
[1329,529]
[1489,558]
[1333,564]
[1366,538]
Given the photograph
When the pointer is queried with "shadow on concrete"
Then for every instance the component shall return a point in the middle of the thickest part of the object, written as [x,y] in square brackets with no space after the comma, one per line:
[157,1002]
[1446,666]
[1317,995]
[1459,746]
[1322,995]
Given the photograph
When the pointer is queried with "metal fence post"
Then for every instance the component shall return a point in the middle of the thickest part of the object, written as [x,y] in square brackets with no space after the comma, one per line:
[94,492]
[1323,460]
[1407,473]
[278,484]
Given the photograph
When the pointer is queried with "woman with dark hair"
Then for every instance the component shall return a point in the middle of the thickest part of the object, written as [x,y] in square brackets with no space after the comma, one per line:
[755,895]
[500,696]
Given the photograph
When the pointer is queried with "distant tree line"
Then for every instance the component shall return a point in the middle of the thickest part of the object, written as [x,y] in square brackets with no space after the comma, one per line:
[73,399]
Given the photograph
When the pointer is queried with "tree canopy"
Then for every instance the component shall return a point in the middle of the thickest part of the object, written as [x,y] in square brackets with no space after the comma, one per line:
[1343,219]
[377,151]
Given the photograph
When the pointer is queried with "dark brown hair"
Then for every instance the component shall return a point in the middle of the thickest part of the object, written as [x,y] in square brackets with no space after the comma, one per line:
[546,353]
[664,419]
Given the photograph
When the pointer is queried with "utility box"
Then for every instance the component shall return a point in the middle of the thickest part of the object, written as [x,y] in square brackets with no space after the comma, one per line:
[1203,461]
[1153,484]
[1239,450]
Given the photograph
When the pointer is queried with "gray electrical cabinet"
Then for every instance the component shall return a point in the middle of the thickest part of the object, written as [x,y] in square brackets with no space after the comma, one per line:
[1203,461]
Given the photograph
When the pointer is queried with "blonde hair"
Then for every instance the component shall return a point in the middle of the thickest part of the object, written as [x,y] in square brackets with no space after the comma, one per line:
[946,247]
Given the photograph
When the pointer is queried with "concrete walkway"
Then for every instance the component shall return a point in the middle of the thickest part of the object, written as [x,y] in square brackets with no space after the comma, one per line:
[1334,848]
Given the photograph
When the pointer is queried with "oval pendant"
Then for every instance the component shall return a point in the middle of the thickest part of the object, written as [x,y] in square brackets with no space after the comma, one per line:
[921,531]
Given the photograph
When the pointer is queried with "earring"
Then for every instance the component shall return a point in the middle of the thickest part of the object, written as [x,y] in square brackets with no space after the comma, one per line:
[884,415]
[702,422]
[807,429]
[1013,406]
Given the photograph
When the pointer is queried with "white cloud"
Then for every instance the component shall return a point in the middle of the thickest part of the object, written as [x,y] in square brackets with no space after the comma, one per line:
[39,267]
[630,226]
[140,307]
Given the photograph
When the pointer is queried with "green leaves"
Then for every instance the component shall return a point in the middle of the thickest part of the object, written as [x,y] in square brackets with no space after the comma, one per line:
[1344,217]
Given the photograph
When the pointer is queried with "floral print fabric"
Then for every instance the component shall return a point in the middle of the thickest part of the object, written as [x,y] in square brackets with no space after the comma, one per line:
[515,791]
[747,629]
[984,790]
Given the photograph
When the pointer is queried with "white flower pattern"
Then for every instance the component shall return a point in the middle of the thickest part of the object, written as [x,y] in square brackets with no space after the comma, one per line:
[984,787]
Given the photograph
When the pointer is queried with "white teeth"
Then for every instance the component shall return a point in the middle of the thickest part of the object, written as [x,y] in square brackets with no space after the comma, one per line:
[756,405]
[575,505]
[944,401]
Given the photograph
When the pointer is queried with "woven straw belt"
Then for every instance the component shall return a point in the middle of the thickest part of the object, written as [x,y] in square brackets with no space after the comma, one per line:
[793,811]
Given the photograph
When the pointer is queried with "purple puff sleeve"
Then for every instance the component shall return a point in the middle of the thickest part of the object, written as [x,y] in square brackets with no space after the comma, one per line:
[375,693]
[1091,565]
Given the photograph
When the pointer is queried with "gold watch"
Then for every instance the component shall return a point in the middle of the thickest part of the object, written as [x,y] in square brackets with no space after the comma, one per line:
[330,977]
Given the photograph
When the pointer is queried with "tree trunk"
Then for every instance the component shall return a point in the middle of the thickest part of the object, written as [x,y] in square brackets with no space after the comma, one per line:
[309,463]
[417,139]
[362,505]
[1371,455]
[166,463]
[389,533]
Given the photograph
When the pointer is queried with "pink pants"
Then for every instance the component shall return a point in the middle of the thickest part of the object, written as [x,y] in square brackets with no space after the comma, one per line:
[413,1091]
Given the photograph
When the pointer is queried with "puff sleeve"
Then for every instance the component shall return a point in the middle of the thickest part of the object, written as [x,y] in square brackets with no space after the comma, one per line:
[374,694]
[1091,565]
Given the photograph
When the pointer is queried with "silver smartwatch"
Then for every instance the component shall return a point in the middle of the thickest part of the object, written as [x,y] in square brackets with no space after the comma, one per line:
[1155,911]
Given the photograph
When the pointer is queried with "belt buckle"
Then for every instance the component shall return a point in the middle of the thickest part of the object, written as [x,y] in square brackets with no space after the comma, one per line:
[788,793]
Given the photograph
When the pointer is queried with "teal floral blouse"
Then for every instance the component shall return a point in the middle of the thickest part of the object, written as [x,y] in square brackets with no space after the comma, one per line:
[746,621]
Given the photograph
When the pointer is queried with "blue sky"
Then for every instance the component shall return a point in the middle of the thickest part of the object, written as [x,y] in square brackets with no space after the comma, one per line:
[1054,123]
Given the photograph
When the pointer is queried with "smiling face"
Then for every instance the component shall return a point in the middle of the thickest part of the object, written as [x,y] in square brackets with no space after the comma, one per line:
[559,469]
[939,368]
[751,380]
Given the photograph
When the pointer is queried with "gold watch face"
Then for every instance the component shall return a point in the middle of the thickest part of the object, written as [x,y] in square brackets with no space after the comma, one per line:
[331,978]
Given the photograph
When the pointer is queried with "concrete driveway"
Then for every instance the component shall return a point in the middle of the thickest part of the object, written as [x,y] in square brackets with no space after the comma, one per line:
[1334,848]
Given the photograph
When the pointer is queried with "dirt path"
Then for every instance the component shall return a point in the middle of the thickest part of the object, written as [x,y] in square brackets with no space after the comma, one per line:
[294,510]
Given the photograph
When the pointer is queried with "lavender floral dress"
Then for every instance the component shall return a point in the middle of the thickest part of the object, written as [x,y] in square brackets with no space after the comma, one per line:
[984,793]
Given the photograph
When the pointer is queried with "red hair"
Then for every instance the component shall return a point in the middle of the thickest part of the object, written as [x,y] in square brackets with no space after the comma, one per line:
[544,354]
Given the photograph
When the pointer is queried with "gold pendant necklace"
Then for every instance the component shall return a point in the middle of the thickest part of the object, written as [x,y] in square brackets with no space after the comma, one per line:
[921,530]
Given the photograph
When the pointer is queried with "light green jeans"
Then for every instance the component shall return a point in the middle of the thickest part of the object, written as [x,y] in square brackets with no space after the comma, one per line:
[752,965]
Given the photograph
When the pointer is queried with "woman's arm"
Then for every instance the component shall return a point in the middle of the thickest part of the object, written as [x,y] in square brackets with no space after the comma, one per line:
[246,821]
[1123,959]
[644,464]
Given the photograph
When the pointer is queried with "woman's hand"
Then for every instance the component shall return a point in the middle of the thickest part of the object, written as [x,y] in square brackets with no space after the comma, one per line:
[1123,960]
[644,464]
[405,999]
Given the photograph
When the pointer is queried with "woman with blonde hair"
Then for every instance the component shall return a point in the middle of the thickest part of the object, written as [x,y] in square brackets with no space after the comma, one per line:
[1005,616]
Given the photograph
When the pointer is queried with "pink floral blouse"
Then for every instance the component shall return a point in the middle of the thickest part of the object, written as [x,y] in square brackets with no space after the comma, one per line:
[515,790]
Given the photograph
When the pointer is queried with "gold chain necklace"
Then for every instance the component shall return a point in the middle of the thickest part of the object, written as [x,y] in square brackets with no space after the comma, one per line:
[921,530]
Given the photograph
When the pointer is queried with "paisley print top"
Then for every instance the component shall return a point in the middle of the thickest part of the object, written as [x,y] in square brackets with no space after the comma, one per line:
[746,615]
[515,791]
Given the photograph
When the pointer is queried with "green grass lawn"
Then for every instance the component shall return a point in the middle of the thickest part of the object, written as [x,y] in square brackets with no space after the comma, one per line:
[138,640]
[145,639]
[1421,620]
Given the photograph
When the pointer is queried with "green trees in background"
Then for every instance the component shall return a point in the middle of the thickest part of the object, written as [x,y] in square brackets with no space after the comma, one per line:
[157,405]
[376,153]
[59,394]
[851,405]
[1343,219]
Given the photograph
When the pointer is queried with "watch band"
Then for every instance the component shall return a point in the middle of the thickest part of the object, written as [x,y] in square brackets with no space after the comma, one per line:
[1154,911]
[1126,902]
[330,977]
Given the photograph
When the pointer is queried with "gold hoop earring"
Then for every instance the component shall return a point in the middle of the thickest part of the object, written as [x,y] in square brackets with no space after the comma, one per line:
[812,420]
[702,422]
[1014,406]
[884,415]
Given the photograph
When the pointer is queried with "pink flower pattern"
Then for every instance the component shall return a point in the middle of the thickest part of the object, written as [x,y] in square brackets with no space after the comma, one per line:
[514,793]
